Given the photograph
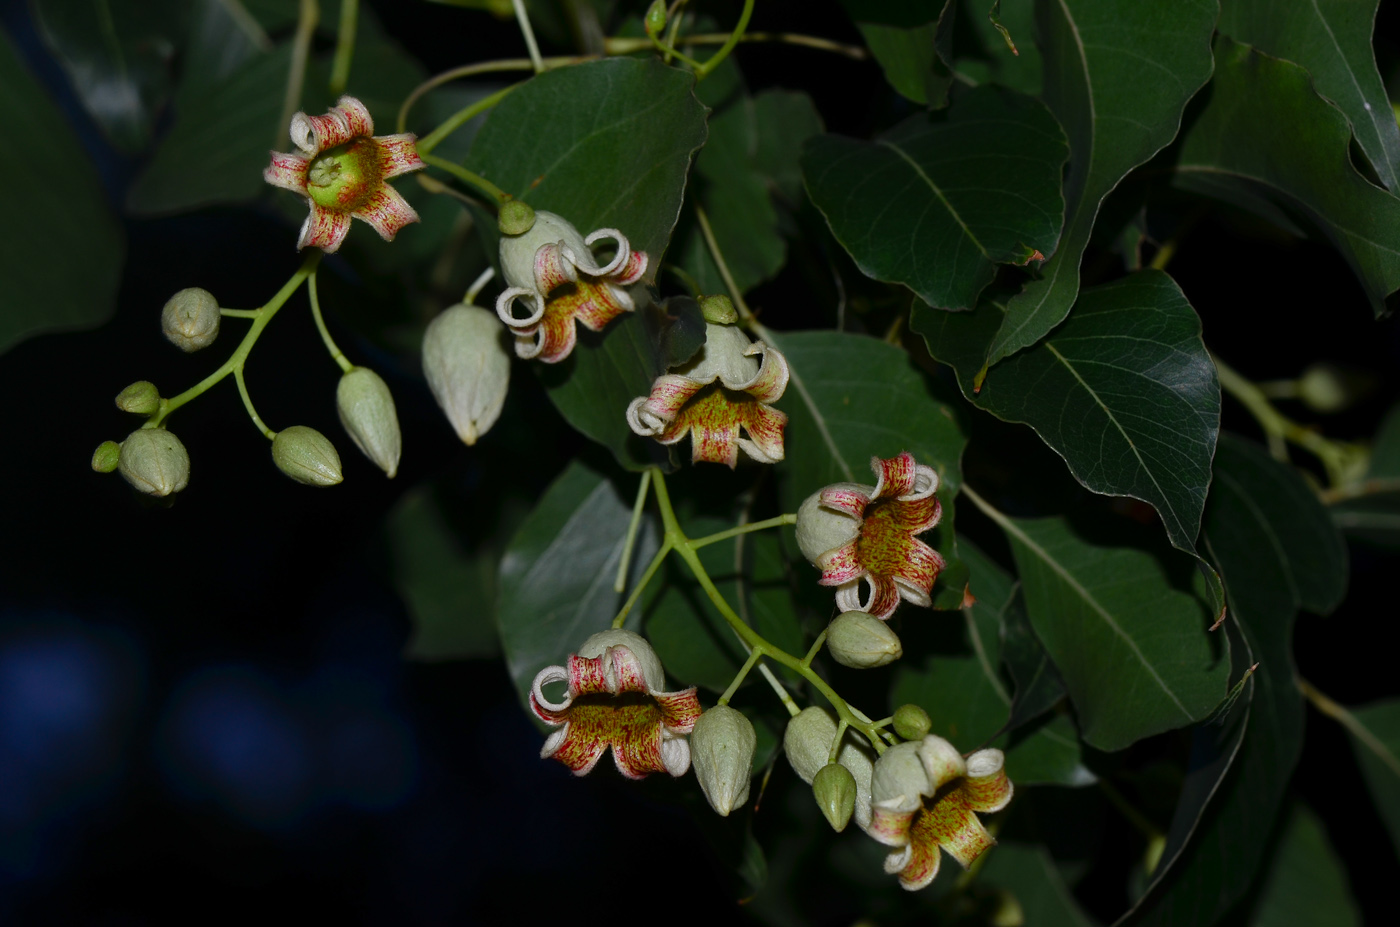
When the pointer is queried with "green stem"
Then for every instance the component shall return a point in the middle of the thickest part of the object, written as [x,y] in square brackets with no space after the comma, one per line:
[620,583]
[815,649]
[467,177]
[754,657]
[344,46]
[524,19]
[1347,720]
[742,529]
[642,583]
[788,703]
[745,315]
[627,46]
[484,67]
[671,52]
[835,750]
[248,24]
[240,313]
[309,15]
[458,119]
[1134,816]
[718,57]
[336,356]
[248,404]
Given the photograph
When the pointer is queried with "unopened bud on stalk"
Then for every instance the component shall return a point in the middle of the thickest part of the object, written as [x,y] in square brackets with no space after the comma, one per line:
[911,722]
[468,368]
[307,456]
[656,17]
[190,319]
[141,397]
[154,461]
[835,791]
[807,743]
[860,641]
[1328,388]
[515,218]
[367,412]
[718,310]
[107,456]
[721,751]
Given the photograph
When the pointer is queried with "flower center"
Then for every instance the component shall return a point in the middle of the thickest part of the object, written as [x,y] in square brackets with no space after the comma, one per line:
[884,542]
[344,178]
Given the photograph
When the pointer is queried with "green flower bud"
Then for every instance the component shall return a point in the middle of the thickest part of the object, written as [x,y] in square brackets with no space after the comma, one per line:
[721,750]
[141,397]
[468,368]
[515,218]
[367,412]
[656,17]
[307,456]
[911,722]
[154,461]
[820,529]
[190,319]
[807,743]
[1327,388]
[107,456]
[835,790]
[718,309]
[860,641]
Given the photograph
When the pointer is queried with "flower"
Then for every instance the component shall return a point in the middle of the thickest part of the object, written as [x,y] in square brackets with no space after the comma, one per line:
[614,699]
[853,532]
[924,795]
[752,376]
[550,268]
[342,171]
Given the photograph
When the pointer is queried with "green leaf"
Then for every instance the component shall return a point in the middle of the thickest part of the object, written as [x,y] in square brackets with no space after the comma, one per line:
[1118,74]
[1124,626]
[1038,684]
[556,579]
[1256,503]
[912,43]
[1332,40]
[1375,736]
[1265,133]
[118,57]
[1373,514]
[974,187]
[995,62]
[222,38]
[1306,883]
[60,218]
[1029,873]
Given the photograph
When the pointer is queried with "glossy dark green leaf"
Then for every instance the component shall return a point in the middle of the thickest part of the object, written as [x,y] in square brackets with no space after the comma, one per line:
[222,38]
[913,44]
[1265,133]
[1305,883]
[1030,875]
[60,217]
[556,579]
[1332,40]
[1255,504]
[1118,74]
[1038,686]
[118,56]
[1375,736]
[1126,625]
[975,187]
[993,60]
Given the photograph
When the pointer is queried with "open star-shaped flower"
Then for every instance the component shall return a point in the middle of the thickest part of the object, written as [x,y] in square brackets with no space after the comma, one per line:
[551,272]
[924,796]
[614,699]
[853,532]
[730,385]
[342,170]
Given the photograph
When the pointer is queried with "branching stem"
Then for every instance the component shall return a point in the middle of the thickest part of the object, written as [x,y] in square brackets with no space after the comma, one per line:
[330,344]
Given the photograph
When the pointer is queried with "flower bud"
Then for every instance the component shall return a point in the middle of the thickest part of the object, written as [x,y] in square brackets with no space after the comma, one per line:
[307,456]
[367,413]
[835,790]
[515,218]
[1327,388]
[718,309]
[721,750]
[911,722]
[141,397]
[656,17]
[468,368]
[154,461]
[107,456]
[190,319]
[820,529]
[807,743]
[857,640]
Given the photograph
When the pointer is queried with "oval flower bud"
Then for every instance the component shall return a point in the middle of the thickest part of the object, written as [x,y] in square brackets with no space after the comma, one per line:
[835,790]
[807,743]
[190,319]
[859,641]
[367,413]
[821,528]
[107,456]
[141,397]
[721,750]
[154,461]
[307,456]
[911,722]
[656,17]
[468,368]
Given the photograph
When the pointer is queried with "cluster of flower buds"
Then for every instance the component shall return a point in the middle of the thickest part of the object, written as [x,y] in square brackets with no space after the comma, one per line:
[152,460]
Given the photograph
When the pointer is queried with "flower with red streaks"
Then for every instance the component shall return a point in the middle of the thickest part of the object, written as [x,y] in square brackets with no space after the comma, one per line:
[342,171]
[751,377]
[924,796]
[853,532]
[550,269]
[614,699]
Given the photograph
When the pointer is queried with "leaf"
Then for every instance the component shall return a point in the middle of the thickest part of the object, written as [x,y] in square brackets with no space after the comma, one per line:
[1332,40]
[1124,627]
[996,62]
[1029,873]
[222,38]
[1038,684]
[1375,736]
[1265,133]
[970,189]
[1118,74]
[1256,504]
[913,43]
[1306,883]
[118,57]
[60,215]
[1373,513]
[556,579]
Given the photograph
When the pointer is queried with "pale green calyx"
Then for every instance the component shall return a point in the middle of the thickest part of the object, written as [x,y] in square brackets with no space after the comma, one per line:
[911,722]
[820,529]
[154,461]
[722,356]
[718,309]
[835,791]
[107,456]
[190,319]
[807,743]
[307,456]
[467,364]
[721,752]
[367,412]
[515,218]
[909,770]
[860,641]
[141,398]
[518,251]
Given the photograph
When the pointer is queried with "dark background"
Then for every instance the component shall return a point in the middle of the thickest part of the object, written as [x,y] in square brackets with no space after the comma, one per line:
[203,711]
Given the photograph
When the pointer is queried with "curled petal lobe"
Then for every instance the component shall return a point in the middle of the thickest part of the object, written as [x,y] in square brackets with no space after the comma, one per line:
[620,260]
[398,154]
[843,499]
[324,229]
[346,120]
[287,171]
[387,211]
[553,268]
[841,565]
